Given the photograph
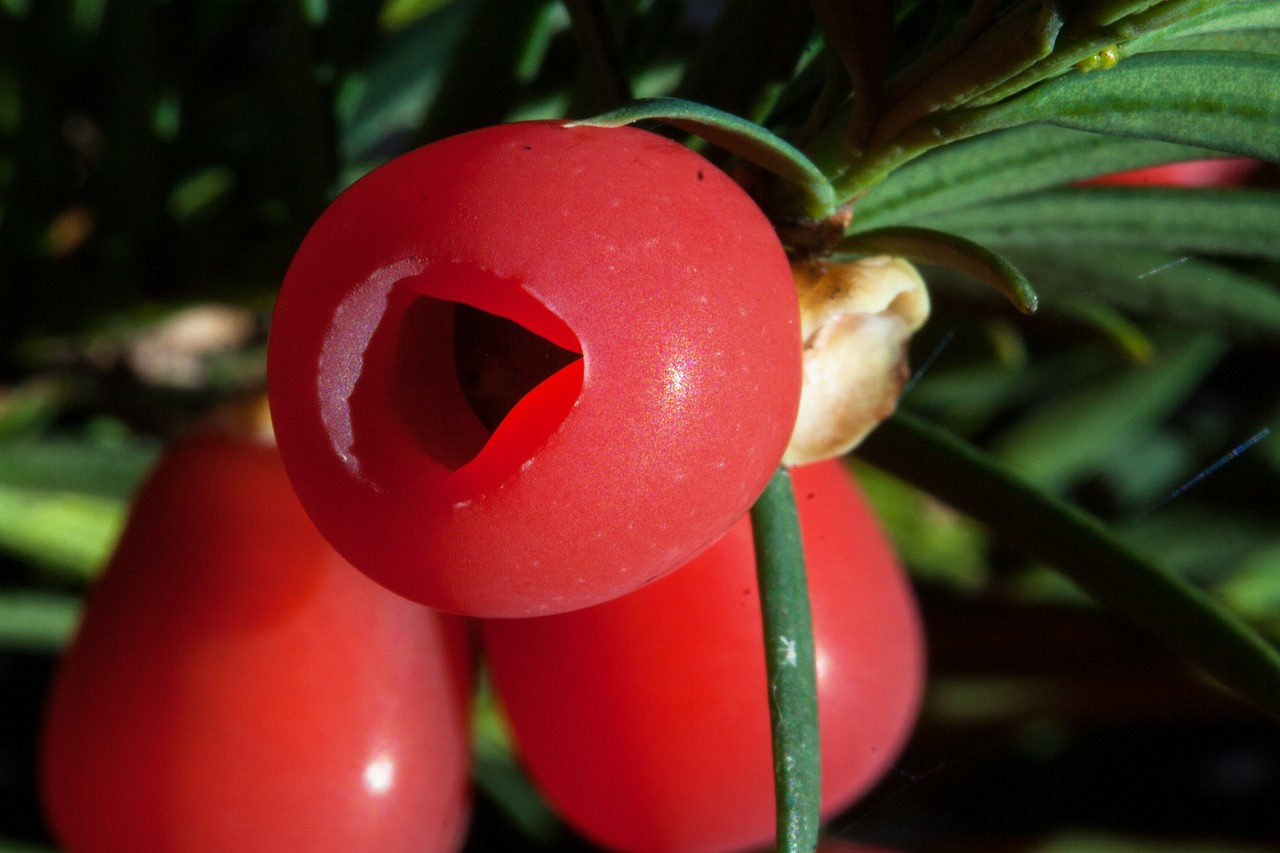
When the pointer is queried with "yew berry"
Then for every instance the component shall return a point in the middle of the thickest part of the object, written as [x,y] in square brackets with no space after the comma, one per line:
[236,685]
[533,367]
[645,720]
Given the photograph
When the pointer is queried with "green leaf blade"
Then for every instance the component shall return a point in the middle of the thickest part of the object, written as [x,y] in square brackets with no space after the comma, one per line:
[1223,222]
[1242,41]
[390,95]
[1098,37]
[859,35]
[1013,43]
[1221,100]
[1046,528]
[1071,437]
[1011,162]
[1157,285]
[500,38]
[1213,99]
[927,246]
[1232,17]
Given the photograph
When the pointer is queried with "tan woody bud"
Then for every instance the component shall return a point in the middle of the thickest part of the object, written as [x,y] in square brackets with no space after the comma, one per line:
[856,319]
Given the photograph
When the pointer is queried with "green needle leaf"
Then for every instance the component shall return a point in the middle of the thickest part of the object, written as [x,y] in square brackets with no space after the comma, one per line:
[859,34]
[1072,436]
[1100,37]
[953,31]
[1237,16]
[939,248]
[1158,285]
[1244,41]
[1227,101]
[1224,222]
[496,771]
[1046,528]
[1011,162]
[748,140]
[1215,99]
[17,847]
[789,662]
[1016,41]
[1114,326]
[1102,12]
[402,76]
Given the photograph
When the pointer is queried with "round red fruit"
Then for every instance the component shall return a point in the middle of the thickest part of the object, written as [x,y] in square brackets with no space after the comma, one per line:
[645,721]
[236,685]
[501,364]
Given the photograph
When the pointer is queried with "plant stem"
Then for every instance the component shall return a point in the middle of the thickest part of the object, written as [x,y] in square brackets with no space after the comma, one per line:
[789,662]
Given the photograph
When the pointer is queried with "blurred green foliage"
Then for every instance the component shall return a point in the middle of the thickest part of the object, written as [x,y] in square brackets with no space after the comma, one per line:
[164,157]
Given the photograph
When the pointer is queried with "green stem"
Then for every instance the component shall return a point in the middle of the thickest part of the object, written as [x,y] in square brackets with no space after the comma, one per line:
[789,662]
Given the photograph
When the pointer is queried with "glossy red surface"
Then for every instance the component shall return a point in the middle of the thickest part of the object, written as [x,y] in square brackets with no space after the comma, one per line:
[645,720]
[614,243]
[235,685]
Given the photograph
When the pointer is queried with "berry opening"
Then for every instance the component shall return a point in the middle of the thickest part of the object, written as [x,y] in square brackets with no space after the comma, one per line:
[498,362]
[482,384]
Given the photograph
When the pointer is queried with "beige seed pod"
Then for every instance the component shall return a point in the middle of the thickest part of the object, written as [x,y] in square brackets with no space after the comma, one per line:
[856,319]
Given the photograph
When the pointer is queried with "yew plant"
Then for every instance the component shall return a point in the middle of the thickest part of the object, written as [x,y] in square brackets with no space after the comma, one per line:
[950,146]
[1059,393]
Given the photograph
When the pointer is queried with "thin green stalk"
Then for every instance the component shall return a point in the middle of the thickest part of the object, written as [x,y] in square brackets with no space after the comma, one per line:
[789,662]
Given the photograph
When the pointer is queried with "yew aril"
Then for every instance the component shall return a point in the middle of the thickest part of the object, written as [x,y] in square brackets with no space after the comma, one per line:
[645,721]
[236,685]
[660,308]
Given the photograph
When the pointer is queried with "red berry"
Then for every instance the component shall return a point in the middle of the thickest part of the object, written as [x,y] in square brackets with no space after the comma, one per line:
[235,685]
[645,721]
[391,366]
